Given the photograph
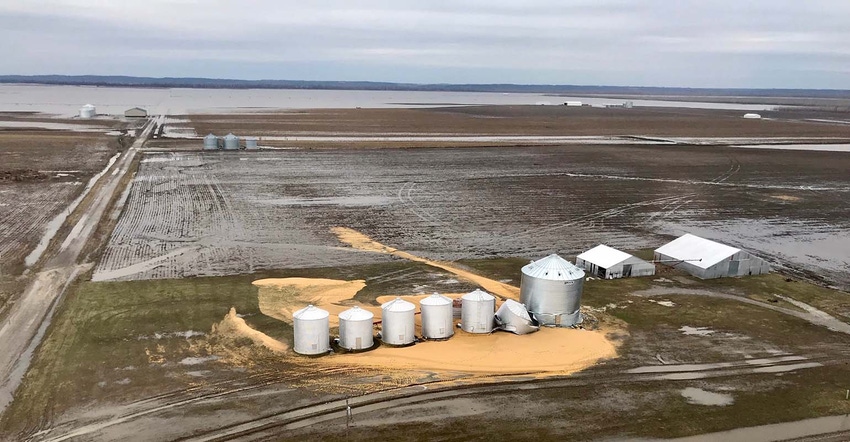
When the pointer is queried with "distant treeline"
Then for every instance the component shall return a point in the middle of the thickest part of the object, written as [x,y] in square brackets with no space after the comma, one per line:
[216,83]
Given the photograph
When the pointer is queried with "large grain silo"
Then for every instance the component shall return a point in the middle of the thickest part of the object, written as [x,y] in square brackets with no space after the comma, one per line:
[312,334]
[231,142]
[355,329]
[88,111]
[210,142]
[513,317]
[551,289]
[251,143]
[397,322]
[476,315]
[437,318]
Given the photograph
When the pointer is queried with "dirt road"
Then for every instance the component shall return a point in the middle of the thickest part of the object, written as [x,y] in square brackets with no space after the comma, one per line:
[28,318]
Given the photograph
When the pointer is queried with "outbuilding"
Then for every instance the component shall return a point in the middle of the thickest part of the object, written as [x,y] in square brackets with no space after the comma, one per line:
[609,263]
[707,259]
[135,112]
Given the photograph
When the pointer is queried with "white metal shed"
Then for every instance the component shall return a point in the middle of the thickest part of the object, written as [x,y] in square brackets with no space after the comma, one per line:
[707,259]
[609,263]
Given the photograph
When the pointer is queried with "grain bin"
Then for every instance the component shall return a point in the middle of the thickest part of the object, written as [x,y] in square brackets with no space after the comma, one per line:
[88,111]
[251,143]
[513,317]
[231,142]
[551,289]
[397,324]
[312,335]
[210,142]
[437,319]
[355,329]
[476,312]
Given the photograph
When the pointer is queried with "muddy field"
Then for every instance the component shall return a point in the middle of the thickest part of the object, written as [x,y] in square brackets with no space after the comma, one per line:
[41,171]
[196,214]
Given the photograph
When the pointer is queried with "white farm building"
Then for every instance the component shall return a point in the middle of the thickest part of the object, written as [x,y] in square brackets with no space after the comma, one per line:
[609,263]
[707,259]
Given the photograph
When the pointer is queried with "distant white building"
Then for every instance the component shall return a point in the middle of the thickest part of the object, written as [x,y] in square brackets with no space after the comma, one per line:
[609,263]
[573,103]
[135,112]
[752,116]
[707,259]
[88,111]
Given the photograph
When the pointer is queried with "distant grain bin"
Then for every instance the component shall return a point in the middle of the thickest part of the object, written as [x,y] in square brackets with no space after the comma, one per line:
[437,319]
[355,329]
[752,116]
[573,103]
[513,317]
[312,335]
[88,111]
[397,322]
[551,289]
[477,309]
[231,142]
[210,142]
[251,143]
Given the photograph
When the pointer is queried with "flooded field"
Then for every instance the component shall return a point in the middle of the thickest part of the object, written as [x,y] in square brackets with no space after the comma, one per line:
[195,214]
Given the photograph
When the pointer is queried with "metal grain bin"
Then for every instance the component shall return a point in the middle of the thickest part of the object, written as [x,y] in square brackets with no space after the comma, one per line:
[513,317]
[476,312]
[312,333]
[355,329]
[551,289]
[251,143]
[397,323]
[210,142]
[231,142]
[88,111]
[437,318]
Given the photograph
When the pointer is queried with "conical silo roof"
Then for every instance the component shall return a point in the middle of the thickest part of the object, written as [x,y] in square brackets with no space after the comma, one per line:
[230,136]
[356,314]
[517,309]
[397,305]
[478,295]
[436,299]
[310,313]
[553,268]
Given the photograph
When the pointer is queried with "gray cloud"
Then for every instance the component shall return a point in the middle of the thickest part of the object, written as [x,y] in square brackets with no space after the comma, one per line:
[698,43]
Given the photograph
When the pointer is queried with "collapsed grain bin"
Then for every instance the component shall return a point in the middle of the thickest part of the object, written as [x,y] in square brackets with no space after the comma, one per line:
[312,333]
[355,329]
[231,142]
[551,289]
[251,143]
[88,111]
[609,263]
[437,318]
[397,322]
[210,142]
[476,312]
[513,317]
[707,259]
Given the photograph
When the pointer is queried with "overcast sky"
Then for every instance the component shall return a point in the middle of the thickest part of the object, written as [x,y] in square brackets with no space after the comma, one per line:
[694,43]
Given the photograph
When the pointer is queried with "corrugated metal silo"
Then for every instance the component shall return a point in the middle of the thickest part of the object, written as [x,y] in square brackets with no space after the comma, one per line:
[210,142]
[476,314]
[551,289]
[513,317]
[231,142]
[437,319]
[312,333]
[355,329]
[251,143]
[397,322]
[88,111]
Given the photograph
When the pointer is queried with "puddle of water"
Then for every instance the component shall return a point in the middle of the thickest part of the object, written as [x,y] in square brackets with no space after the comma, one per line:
[811,147]
[695,331]
[346,201]
[786,368]
[698,396]
[197,360]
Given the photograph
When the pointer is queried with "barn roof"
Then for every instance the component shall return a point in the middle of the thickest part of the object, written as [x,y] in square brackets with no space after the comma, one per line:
[604,256]
[692,248]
